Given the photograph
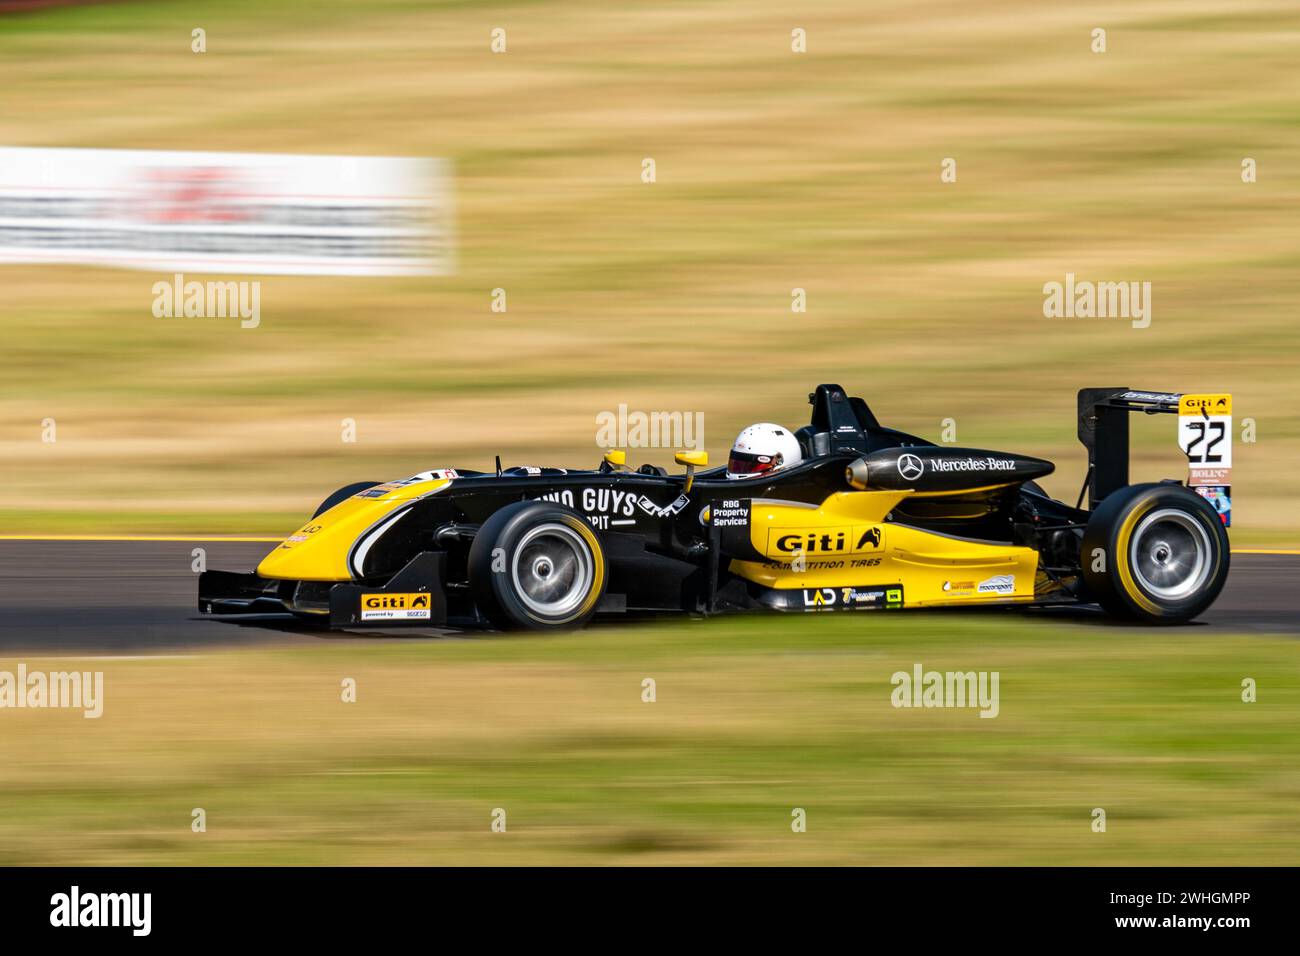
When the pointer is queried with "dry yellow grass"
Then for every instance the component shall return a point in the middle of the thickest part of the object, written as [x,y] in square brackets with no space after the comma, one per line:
[775,171]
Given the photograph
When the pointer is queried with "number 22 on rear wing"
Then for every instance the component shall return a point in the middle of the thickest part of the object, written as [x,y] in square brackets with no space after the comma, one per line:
[1205,436]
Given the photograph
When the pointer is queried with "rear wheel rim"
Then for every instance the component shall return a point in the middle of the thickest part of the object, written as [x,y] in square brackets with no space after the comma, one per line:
[1170,554]
[552,570]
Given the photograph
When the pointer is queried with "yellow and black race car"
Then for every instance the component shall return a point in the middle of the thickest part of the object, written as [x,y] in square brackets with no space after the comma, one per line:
[870,518]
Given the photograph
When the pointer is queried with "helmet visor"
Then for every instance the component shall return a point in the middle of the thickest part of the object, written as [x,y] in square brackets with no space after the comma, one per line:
[746,463]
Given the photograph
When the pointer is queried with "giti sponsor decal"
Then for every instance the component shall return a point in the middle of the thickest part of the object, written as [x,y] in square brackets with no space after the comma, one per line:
[854,540]
[1205,404]
[849,598]
[395,607]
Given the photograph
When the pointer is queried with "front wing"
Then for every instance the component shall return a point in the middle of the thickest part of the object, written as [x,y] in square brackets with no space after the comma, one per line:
[415,596]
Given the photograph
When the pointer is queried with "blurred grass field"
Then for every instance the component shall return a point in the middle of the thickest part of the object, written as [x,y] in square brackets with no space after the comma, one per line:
[753,718]
[775,171]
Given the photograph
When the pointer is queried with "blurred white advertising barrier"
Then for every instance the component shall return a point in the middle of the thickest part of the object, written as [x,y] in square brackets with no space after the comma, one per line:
[250,213]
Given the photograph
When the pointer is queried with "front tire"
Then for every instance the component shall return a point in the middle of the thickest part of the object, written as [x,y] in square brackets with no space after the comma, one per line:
[1156,553]
[537,565]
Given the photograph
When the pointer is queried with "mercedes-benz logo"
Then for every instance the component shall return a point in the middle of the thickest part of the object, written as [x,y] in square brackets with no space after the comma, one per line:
[910,467]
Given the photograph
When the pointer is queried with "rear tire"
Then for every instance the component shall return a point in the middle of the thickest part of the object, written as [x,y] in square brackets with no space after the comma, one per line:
[1163,553]
[343,494]
[537,565]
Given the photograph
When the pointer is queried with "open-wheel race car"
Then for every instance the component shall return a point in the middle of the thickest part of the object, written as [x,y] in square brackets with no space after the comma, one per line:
[865,517]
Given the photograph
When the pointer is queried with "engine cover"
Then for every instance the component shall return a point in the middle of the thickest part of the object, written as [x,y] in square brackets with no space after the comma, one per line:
[932,469]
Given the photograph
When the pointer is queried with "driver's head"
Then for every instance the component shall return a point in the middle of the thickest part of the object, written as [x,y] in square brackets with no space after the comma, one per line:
[762,449]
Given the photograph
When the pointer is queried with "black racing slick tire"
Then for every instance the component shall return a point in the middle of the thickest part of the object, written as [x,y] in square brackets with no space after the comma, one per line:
[537,565]
[343,494]
[1157,553]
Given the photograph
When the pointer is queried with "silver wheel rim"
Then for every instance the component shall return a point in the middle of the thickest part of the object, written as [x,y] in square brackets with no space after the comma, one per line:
[552,570]
[1170,554]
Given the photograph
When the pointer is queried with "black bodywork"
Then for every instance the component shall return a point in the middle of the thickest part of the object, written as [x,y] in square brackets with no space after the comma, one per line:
[662,557]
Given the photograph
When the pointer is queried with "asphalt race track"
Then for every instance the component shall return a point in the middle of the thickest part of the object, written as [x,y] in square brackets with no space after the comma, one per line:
[139,597]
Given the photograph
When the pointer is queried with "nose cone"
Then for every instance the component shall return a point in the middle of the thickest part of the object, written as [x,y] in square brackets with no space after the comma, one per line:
[319,550]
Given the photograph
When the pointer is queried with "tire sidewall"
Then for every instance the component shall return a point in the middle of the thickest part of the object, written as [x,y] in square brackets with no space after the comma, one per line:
[494,590]
[1112,526]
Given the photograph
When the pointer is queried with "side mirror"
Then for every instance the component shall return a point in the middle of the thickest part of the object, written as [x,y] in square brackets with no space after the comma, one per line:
[692,460]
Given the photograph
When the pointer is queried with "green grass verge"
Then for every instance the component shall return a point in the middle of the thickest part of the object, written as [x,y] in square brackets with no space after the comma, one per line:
[753,718]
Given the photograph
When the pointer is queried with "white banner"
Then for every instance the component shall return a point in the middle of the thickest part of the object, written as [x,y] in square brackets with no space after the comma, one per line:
[229,213]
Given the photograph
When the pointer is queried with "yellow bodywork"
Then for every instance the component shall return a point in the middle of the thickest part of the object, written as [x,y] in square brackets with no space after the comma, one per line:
[318,551]
[846,542]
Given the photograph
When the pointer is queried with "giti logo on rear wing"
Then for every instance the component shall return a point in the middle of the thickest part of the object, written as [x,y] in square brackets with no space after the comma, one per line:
[1205,436]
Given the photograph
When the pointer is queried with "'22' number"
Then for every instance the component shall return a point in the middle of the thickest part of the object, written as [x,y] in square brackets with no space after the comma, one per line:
[1209,457]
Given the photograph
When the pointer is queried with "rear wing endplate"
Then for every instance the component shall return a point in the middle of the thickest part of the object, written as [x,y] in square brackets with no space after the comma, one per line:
[1204,435]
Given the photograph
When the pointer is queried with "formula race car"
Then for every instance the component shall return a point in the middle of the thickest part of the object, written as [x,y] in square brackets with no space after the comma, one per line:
[870,517]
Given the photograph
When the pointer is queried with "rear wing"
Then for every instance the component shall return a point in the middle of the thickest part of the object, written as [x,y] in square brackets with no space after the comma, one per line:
[1204,435]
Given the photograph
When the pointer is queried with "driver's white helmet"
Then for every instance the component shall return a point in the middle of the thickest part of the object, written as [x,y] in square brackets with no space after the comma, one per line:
[762,449]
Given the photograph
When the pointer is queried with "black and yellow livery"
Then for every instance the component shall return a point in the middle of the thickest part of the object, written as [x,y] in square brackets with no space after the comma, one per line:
[872,518]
